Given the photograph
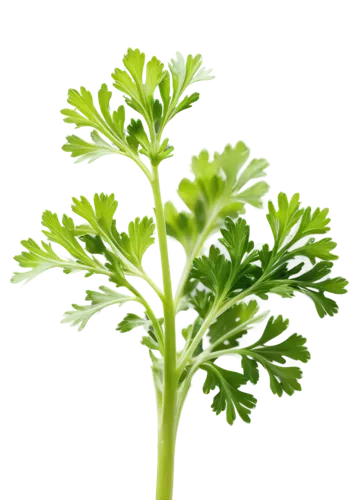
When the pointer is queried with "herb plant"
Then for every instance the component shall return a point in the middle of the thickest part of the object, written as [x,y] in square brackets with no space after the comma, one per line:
[222,286]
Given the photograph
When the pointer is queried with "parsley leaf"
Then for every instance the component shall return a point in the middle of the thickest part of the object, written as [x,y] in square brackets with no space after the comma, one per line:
[105,207]
[288,215]
[140,97]
[130,82]
[86,114]
[64,235]
[184,73]
[39,260]
[139,238]
[278,277]
[212,271]
[131,321]
[202,300]
[109,124]
[127,248]
[124,254]
[316,250]
[304,283]
[100,217]
[229,396]
[221,276]
[84,150]
[282,379]
[82,314]
[216,192]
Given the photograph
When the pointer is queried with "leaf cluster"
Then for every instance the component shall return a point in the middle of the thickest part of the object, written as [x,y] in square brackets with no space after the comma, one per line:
[139,82]
[269,357]
[298,260]
[94,247]
[282,266]
[293,264]
[219,189]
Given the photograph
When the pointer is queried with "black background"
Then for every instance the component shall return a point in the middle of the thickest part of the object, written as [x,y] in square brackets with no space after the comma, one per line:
[80,411]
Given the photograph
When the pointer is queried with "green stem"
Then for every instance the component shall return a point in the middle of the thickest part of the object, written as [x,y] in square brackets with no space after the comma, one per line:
[165,467]
[227,352]
[223,352]
[168,421]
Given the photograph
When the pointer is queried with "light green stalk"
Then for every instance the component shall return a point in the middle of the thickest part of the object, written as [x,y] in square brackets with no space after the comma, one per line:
[167,425]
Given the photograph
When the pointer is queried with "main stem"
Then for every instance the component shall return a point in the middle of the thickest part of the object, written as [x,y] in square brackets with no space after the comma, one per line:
[167,425]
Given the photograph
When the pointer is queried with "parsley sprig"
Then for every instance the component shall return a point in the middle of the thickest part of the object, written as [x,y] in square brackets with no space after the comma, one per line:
[227,280]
